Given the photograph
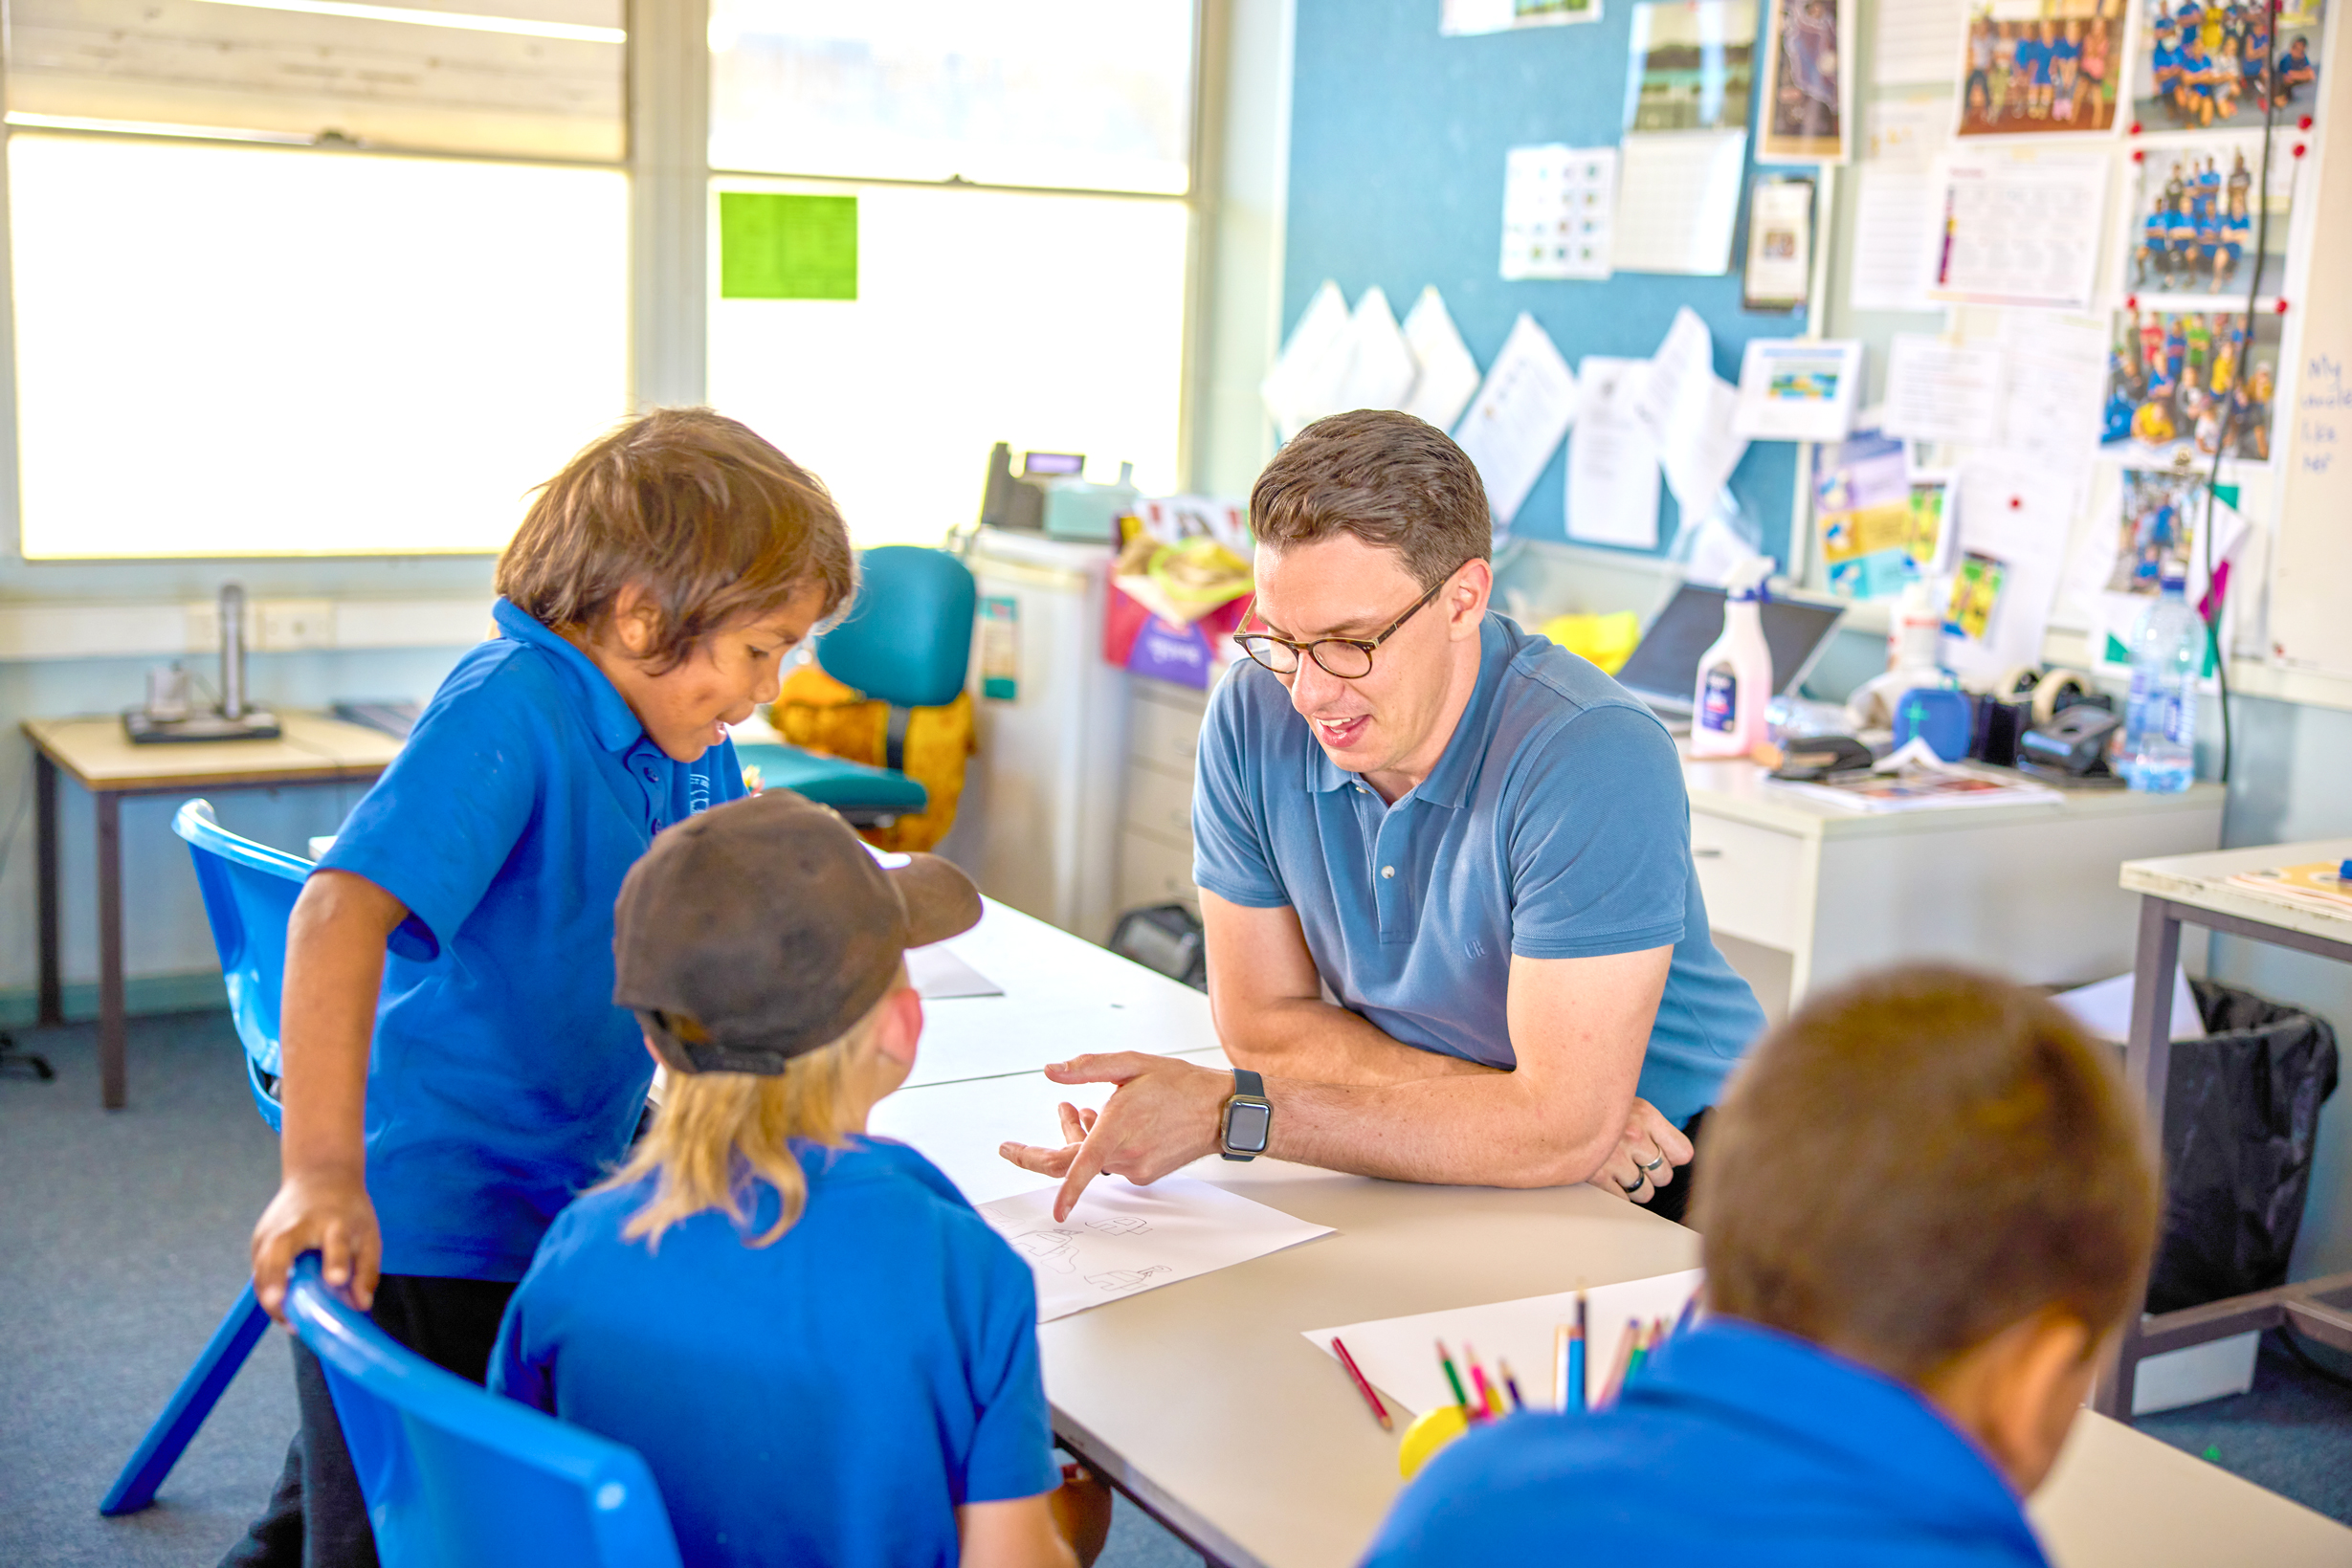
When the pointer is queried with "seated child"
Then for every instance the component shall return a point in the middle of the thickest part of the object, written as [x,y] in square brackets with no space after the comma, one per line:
[824,1355]
[1929,1199]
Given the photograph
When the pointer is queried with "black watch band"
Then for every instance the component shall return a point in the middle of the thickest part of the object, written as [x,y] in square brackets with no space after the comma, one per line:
[1246,1121]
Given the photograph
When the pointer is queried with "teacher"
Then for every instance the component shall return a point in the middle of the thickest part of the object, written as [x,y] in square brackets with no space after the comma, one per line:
[1455,931]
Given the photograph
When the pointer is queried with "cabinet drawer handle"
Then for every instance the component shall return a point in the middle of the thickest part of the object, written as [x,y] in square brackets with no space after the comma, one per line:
[1706,854]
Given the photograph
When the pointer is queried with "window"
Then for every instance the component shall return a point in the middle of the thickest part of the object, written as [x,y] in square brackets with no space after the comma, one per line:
[1016,268]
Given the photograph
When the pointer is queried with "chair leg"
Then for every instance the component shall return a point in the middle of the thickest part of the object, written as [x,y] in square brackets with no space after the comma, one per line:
[193,1400]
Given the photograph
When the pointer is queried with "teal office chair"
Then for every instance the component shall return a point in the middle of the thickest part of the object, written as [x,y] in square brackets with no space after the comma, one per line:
[456,1476]
[908,642]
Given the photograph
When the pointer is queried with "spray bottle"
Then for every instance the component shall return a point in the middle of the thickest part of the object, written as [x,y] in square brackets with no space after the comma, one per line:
[1735,675]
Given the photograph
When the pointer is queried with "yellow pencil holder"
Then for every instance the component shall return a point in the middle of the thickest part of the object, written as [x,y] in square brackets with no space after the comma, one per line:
[1431,1430]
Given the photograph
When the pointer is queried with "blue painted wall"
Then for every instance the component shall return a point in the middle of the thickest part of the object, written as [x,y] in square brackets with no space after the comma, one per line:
[1397,144]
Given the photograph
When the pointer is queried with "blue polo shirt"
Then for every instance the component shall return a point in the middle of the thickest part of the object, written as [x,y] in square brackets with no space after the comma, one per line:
[1555,826]
[1735,1446]
[502,1079]
[831,1398]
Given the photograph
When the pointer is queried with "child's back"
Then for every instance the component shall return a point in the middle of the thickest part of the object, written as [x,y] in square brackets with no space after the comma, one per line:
[829,1398]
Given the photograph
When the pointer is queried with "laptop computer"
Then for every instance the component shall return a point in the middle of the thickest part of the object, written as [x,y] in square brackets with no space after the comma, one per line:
[1663,670]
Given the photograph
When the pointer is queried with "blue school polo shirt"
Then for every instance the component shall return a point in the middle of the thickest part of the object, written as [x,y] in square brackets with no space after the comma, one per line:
[1735,1446]
[831,1398]
[1555,826]
[502,1079]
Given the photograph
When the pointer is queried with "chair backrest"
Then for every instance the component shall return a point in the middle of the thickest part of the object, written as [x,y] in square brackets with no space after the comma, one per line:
[908,640]
[458,1477]
[249,894]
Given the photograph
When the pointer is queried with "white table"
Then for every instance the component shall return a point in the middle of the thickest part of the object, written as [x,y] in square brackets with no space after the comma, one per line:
[1202,1402]
[2196,890]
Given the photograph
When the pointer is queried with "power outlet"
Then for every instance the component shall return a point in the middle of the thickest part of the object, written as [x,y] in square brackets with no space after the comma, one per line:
[288,625]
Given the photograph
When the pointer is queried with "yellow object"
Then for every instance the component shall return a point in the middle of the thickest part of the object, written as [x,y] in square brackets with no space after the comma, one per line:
[817,713]
[1607,640]
[1431,1430]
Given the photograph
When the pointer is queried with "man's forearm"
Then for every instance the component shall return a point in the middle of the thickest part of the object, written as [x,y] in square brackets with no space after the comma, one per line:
[1489,1130]
[1315,1041]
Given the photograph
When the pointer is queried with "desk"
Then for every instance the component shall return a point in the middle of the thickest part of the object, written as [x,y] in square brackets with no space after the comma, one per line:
[96,754]
[1202,1402]
[2196,890]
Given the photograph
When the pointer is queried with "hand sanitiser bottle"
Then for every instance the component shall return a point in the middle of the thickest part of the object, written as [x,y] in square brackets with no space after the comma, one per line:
[1735,675]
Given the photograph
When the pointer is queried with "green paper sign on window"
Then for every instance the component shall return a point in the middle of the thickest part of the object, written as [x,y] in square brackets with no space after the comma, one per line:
[774,246]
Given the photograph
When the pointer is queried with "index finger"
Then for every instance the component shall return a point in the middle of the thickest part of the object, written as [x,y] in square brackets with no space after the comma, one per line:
[1084,1169]
[1114,1066]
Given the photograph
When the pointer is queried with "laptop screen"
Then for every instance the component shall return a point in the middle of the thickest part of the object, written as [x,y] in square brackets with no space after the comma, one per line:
[1663,670]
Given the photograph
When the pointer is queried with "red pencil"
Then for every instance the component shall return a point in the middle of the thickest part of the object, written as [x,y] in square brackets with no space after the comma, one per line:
[1380,1412]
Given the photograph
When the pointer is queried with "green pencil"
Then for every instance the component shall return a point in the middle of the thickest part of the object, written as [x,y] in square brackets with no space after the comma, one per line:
[1452,1378]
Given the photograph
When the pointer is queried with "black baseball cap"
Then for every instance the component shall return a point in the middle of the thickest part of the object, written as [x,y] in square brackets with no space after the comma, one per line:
[761,929]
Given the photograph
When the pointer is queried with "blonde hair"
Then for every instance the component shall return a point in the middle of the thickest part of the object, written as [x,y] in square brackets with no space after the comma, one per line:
[717,1134]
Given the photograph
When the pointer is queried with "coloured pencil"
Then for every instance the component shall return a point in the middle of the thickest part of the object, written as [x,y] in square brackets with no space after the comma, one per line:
[1485,1391]
[1559,1367]
[1690,1310]
[1618,1365]
[1642,1342]
[1577,1350]
[1380,1412]
[1454,1379]
[1510,1385]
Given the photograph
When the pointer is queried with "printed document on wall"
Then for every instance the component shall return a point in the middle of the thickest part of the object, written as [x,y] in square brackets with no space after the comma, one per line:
[2006,573]
[1690,409]
[1301,388]
[2020,233]
[1917,41]
[1939,392]
[1612,493]
[1678,201]
[1517,420]
[1380,363]
[1894,206]
[1557,203]
[1448,375]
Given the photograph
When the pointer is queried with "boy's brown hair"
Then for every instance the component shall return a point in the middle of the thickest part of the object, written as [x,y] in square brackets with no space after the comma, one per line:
[1913,1164]
[1387,478]
[711,521]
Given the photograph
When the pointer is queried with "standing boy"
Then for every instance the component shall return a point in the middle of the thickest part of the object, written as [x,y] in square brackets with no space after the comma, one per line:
[444,1102]
[1907,1301]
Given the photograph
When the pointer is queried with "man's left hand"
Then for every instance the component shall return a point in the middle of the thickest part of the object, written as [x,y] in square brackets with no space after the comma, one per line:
[1646,1156]
[1163,1115]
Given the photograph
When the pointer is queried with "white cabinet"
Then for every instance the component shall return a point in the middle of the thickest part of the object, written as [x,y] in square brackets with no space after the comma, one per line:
[1155,834]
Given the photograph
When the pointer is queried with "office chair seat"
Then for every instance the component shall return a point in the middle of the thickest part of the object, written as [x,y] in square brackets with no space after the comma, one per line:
[852,788]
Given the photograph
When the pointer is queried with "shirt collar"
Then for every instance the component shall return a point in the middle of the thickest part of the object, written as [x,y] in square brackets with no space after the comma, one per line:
[1457,767]
[609,717]
[1875,1425]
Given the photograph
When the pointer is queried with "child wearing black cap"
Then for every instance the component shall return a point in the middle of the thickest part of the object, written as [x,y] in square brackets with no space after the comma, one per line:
[822,1352]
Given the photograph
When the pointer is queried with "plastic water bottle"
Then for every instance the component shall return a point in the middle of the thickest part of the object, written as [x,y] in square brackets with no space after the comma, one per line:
[2159,726]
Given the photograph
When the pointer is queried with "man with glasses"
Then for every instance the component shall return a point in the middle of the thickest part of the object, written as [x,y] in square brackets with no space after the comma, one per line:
[1455,931]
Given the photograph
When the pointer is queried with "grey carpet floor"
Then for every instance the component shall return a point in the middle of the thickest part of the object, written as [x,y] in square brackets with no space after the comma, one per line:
[122,1242]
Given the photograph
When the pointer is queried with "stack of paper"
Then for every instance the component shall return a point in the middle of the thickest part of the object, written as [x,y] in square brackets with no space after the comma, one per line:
[1338,358]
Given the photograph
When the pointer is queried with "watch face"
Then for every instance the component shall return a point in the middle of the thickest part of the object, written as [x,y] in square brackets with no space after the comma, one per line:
[1246,1125]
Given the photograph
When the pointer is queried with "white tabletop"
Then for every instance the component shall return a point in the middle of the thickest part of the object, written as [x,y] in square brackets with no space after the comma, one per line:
[2202,881]
[1063,996]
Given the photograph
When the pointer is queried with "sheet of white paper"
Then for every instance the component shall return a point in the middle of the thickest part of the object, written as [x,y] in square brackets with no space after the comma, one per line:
[2104,1009]
[1714,549]
[939,975]
[1557,205]
[1918,40]
[1449,376]
[2020,233]
[1520,412]
[1939,392]
[1894,206]
[2049,413]
[1380,363]
[1398,1356]
[1689,409]
[1124,1239]
[1798,392]
[1305,377]
[2010,513]
[1612,493]
[1678,201]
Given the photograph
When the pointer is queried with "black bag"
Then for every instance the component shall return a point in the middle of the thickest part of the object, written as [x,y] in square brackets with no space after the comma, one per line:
[1166,938]
[2241,1117]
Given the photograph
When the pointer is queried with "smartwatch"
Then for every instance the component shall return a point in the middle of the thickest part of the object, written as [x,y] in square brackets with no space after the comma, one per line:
[1248,1119]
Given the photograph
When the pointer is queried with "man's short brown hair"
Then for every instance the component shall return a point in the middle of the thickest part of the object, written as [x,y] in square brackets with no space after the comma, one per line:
[707,519]
[1386,478]
[1913,1164]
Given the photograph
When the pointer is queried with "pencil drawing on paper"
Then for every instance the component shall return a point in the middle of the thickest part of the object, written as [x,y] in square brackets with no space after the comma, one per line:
[1125,1225]
[1054,1249]
[1126,1279]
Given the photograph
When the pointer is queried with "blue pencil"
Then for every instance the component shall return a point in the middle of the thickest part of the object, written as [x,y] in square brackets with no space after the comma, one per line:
[1689,1308]
[1576,1358]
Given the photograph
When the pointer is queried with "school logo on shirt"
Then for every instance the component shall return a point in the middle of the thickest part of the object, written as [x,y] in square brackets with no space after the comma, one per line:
[698,793]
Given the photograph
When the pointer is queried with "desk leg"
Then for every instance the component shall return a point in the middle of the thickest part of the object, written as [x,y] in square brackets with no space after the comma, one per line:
[110,1008]
[2148,1066]
[45,794]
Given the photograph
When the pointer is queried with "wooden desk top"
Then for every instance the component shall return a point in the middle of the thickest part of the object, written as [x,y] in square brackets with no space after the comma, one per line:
[101,758]
[2203,882]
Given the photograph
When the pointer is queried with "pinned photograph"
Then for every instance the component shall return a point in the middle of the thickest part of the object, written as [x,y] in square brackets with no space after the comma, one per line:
[2207,66]
[2184,385]
[1693,66]
[1806,102]
[2155,525]
[2040,67]
[2195,218]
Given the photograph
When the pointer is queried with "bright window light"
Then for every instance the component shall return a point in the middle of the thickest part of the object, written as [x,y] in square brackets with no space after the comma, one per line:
[1052,323]
[519,26]
[241,351]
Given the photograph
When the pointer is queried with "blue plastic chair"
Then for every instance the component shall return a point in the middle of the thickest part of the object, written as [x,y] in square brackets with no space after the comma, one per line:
[908,642]
[458,1477]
